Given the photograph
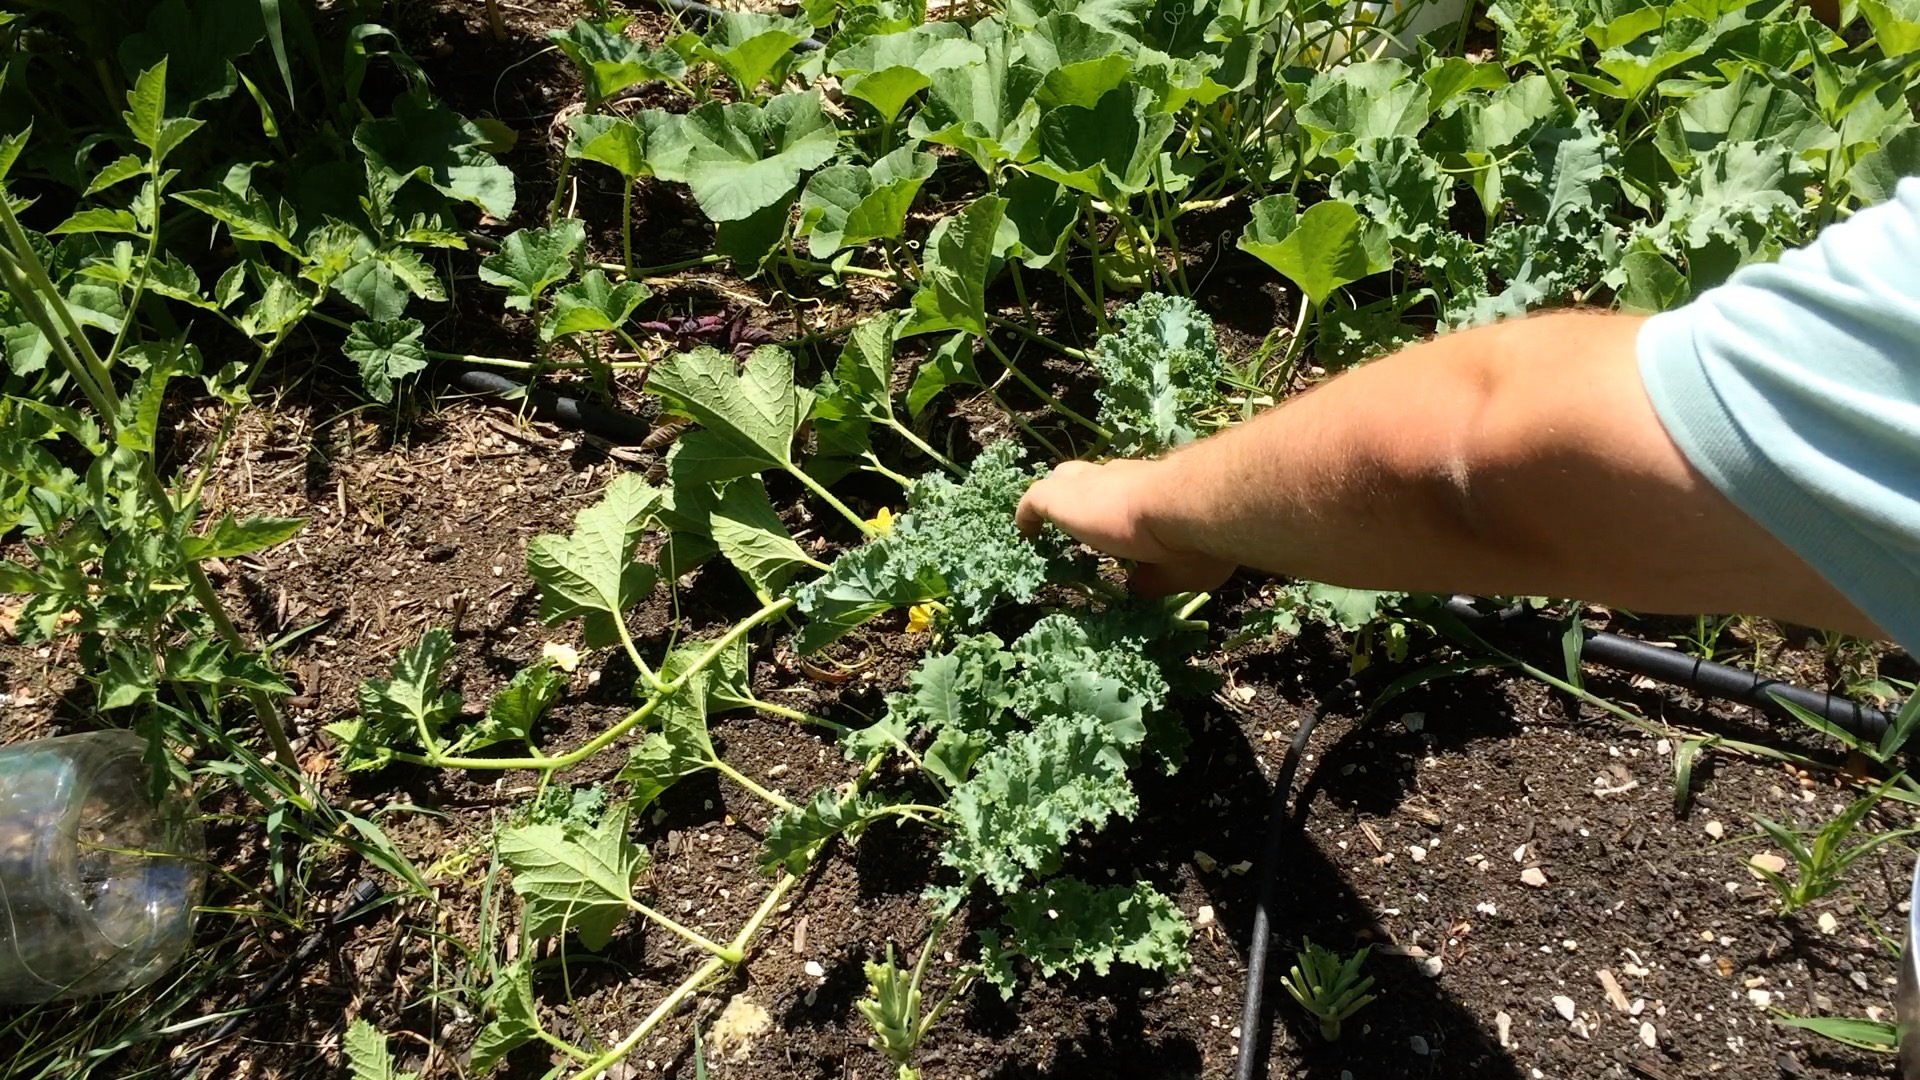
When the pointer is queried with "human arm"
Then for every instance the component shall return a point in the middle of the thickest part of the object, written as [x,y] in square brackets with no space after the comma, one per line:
[1522,458]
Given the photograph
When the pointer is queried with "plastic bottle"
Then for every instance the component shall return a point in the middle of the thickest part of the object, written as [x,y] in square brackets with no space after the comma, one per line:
[97,880]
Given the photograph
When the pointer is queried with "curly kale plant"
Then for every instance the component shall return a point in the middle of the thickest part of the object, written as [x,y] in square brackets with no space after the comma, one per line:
[956,544]
[1160,369]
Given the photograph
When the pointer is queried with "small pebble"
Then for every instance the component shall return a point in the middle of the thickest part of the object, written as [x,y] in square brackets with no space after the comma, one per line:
[1716,830]
[1769,862]
[1203,916]
[1418,853]
[1648,1035]
[1504,1025]
[1563,1005]
[1534,877]
[814,969]
[1418,1044]
[1828,924]
[1760,998]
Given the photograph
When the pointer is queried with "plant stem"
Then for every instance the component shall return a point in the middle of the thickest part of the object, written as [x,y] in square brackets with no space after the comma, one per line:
[1039,338]
[921,444]
[820,489]
[686,934]
[626,228]
[771,798]
[604,739]
[798,716]
[671,1003]
[1053,403]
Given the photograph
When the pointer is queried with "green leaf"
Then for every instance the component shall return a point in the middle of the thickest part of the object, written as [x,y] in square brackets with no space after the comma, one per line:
[725,683]
[516,708]
[1156,373]
[1875,1035]
[246,217]
[1896,24]
[147,105]
[614,141]
[98,219]
[1065,925]
[530,261]
[755,413]
[122,169]
[954,272]
[385,352]
[679,749]
[1078,64]
[1878,172]
[950,364]
[367,1055]
[427,141]
[1039,215]
[796,836]
[513,1016]
[229,537]
[592,572]
[574,879]
[1653,284]
[396,710]
[592,304]
[885,70]
[848,205]
[987,111]
[381,282]
[610,61]
[752,537]
[956,542]
[1107,150]
[1456,75]
[740,158]
[751,46]
[1360,102]
[1328,248]
[1392,182]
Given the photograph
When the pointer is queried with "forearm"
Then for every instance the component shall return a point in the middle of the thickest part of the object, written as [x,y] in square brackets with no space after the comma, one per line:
[1518,459]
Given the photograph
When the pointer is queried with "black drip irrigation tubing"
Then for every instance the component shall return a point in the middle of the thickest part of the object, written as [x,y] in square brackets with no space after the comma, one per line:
[1670,666]
[611,424]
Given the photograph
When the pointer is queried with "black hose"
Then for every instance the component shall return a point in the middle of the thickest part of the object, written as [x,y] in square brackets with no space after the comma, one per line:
[593,418]
[1253,1030]
[707,11]
[1672,666]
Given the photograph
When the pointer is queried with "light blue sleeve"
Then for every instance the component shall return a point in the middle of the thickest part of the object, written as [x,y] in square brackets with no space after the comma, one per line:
[1795,388]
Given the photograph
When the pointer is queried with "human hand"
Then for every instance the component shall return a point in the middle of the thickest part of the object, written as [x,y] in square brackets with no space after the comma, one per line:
[1115,508]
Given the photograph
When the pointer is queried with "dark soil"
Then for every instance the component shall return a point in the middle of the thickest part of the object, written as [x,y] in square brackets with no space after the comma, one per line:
[1412,830]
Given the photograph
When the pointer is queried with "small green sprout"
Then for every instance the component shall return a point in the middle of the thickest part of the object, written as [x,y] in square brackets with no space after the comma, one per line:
[1327,987]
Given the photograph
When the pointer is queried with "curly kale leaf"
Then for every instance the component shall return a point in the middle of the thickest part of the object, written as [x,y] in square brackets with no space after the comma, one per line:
[1066,924]
[1161,368]
[956,543]
[1031,791]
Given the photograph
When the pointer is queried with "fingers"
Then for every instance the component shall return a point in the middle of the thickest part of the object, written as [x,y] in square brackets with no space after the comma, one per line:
[1037,506]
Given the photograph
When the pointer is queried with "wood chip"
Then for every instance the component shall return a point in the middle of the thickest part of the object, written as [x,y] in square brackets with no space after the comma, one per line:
[1615,996]
[800,936]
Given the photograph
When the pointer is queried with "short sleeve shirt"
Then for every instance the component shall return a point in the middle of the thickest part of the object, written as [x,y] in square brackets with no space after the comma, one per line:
[1795,389]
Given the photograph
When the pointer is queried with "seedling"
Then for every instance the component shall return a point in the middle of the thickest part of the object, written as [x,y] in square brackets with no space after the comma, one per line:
[1330,988]
[1823,862]
[892,1006]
